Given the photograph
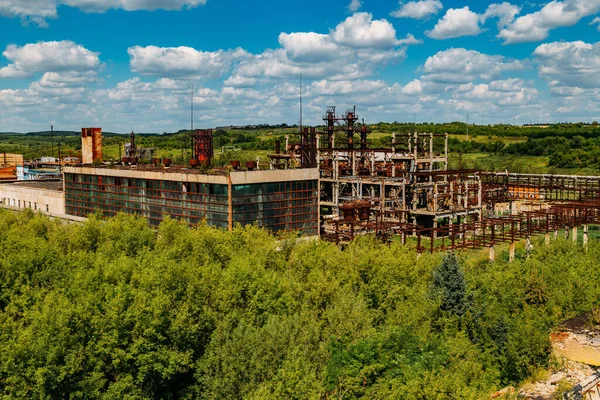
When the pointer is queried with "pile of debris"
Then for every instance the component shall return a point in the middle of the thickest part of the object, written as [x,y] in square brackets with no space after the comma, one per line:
[571,372]
[577,343]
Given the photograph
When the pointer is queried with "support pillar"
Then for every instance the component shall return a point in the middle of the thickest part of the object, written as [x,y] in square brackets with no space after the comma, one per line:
[414,221]
[574,235]
[511,252]
[547,239]
[492,253]
[585,237]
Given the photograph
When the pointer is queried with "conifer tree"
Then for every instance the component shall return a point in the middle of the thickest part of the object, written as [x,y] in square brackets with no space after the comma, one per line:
[449,283]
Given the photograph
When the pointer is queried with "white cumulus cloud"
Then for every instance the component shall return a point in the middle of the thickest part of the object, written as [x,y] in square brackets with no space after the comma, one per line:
[457,22]
[47,57]
[353,50]
[308,46]
[505,12]
[354,5]
[418,9]
[410,40]
[361,31]
[463,66]
[131,5]
[507,85]
[330,88]
[183,62]
[413,87]
[537,26]
[575,64]
[38,11]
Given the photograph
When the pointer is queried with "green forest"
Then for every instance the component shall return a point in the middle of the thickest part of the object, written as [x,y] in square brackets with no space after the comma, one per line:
[113,309]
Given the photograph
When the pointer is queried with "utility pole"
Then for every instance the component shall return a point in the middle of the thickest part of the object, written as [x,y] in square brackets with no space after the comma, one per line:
[52,140]
[59,158]
[467,127]
[192,122]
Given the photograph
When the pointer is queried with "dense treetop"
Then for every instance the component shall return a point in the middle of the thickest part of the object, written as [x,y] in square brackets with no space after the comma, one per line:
[114,309]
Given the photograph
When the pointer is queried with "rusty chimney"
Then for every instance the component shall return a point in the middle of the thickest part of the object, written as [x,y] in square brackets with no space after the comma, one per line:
[91,145]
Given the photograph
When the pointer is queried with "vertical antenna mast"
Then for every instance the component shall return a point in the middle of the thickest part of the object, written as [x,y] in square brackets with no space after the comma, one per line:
[300,103]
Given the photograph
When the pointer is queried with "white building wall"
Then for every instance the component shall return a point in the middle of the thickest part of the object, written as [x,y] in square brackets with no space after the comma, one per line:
[50,202]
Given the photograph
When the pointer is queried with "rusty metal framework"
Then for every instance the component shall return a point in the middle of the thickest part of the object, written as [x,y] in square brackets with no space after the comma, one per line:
[508,229]
[504,187]
[470,233]
[409,180]
[408,190]
[202,148]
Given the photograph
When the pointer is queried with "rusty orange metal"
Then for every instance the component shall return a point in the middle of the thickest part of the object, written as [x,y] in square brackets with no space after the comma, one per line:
[91,145]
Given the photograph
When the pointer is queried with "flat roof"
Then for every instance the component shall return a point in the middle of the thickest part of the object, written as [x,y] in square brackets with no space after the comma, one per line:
[44,184]
[180,174]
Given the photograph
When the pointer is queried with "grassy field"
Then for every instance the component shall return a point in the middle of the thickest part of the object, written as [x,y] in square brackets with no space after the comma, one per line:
[495,162]
[266,134]
[488,139]
[477,138]
[513,163]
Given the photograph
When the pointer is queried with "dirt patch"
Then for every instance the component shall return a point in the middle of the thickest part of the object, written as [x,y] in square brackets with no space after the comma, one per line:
[577,343]
[559,337]
[580,347]
[571,372]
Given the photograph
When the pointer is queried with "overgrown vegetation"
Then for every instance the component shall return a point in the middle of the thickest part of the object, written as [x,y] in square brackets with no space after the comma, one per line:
[113,309]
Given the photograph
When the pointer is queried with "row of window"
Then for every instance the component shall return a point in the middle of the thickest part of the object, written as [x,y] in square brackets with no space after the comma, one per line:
[274,187]
[126,185]
[24,204]
[278,206]
[148,194]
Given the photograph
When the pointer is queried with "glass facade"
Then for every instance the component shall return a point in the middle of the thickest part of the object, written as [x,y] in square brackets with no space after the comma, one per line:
[279,206]
[152,199]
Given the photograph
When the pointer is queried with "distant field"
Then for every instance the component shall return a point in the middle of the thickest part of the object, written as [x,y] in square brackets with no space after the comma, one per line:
[266,134]
[494,162]
[479,139]
[487,139]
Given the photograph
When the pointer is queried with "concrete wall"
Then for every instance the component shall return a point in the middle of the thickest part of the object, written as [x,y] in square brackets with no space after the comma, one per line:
[274,175]
[50,202]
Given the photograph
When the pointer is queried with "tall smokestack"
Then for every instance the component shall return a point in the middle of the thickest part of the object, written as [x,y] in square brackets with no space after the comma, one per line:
[91,145]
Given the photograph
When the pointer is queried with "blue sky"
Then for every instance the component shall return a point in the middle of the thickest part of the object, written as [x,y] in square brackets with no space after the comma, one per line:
[129,64]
